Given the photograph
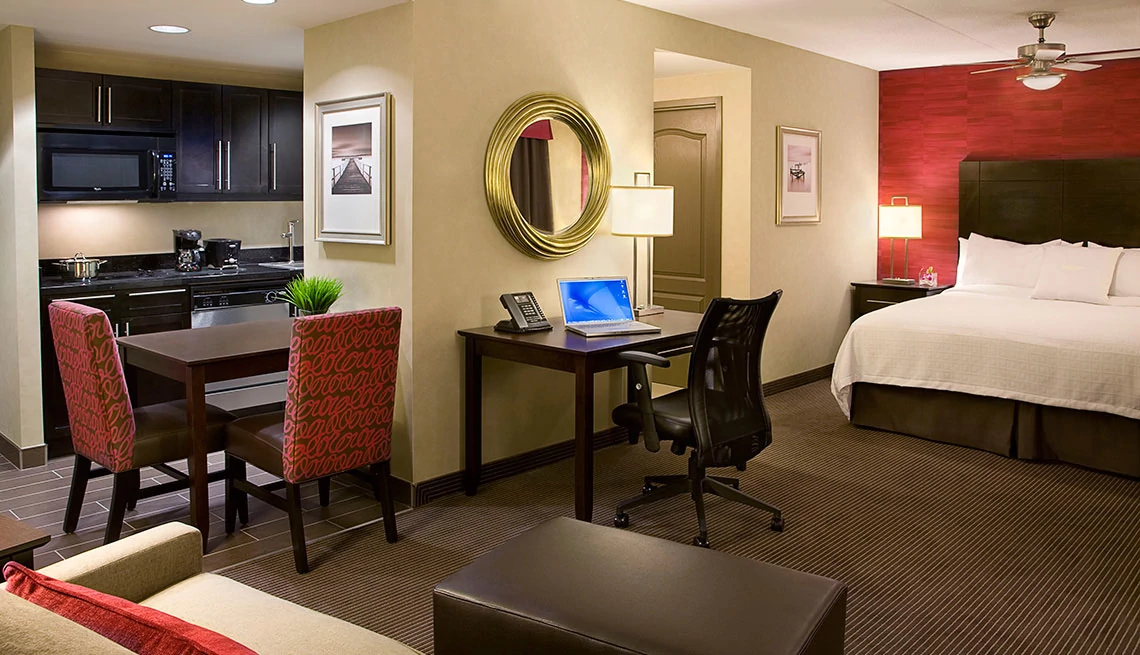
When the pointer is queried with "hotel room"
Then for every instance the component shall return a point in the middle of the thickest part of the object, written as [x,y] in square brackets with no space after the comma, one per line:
[457,286]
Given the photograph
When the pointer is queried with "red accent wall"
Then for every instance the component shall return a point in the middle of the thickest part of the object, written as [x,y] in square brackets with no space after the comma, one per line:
[932,118]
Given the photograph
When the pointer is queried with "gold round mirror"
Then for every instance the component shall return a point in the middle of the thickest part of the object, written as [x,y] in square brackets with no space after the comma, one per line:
[547,175]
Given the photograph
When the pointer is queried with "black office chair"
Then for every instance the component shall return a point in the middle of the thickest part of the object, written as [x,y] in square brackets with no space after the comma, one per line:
[721,416]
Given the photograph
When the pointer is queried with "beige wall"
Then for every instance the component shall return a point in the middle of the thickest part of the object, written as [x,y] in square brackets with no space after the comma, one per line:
[101,230]
[21,418]
[135,229]
[363,56]
[470,62]
[734,88]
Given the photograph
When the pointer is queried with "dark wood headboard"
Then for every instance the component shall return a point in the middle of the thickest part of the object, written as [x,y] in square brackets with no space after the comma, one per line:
[1041,200]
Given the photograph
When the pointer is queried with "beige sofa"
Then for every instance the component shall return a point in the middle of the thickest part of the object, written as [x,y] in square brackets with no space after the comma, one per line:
[162,568]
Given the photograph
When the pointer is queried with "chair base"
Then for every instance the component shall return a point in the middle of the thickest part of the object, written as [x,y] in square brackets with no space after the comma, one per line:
[238,490]
[697,483]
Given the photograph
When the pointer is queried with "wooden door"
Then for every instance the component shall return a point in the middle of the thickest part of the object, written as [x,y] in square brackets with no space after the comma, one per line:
[137,103]
[286,144]
[245,130]
[68,99]
[198,122]
[687,157]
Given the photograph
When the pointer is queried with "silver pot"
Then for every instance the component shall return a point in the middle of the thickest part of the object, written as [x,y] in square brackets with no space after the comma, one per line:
[79,267]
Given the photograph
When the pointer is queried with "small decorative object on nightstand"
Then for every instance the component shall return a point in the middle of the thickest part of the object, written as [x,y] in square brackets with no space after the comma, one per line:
[877,294]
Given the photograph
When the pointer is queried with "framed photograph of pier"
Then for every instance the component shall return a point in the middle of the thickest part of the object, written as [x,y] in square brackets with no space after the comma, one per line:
[354,170]
[798,179]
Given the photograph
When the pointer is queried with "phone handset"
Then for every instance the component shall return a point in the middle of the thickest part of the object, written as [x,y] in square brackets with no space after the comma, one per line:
[526,315]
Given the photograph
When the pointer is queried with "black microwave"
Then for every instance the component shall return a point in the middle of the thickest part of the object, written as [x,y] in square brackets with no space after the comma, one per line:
[80,166]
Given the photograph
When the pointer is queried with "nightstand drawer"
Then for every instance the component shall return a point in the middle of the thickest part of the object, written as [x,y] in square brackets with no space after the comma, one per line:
[870,296]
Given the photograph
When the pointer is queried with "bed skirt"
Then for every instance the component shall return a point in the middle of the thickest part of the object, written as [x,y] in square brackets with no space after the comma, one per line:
[1096,440]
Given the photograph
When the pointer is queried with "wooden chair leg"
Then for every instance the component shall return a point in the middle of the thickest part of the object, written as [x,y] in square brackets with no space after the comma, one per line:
[133,500]
[382,487]
[126,486]
[297,527]
[324,488]
[237,502]
[79,476]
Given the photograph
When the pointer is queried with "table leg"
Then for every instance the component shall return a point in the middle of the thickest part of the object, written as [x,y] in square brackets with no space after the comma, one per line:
[631,397]
[583,442]
[199,473]
[473,420]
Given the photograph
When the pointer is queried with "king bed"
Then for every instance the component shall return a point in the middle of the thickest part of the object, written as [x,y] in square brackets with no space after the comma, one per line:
[991,366]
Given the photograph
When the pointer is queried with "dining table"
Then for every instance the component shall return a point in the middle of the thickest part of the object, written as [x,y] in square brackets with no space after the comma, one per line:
[196,357]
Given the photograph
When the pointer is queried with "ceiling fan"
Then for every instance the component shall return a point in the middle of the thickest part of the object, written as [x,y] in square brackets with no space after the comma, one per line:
[1043,59]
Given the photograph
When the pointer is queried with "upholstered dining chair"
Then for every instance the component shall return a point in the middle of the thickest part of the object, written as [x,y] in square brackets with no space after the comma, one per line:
[105,429]
[720,419]
[337,419]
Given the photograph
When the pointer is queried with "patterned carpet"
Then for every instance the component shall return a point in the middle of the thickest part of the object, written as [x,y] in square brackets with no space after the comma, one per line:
[945,550]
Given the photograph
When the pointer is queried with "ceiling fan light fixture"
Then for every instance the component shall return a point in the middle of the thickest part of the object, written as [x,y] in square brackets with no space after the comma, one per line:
[1041,81]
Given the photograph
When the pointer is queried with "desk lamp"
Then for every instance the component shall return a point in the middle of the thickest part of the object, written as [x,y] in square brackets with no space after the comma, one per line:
[900,222]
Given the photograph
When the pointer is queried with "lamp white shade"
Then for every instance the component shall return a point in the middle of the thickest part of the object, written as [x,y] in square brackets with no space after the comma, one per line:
[641,211]
[900,221]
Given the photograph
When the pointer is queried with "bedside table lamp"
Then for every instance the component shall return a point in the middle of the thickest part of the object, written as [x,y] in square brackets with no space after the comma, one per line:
[900,222]
[642,211]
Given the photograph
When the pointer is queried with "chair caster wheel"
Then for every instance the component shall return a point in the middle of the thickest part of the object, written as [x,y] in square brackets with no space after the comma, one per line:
[777,524]
[742,467]
[648,489]
[701,542]
[736,484]
[621,520]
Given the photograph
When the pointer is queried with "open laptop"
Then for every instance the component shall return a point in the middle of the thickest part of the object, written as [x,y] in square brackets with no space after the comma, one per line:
[599,307]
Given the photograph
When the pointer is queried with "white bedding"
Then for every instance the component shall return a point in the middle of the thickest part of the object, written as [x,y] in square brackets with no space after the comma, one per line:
[992,340]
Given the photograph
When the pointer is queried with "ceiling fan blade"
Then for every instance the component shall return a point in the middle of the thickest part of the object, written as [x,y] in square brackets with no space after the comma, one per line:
[1078,66]
[1000,68]
[1106,56]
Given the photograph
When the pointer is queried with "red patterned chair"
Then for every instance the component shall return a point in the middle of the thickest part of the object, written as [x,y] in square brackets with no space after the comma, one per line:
[105,429]
[337,418]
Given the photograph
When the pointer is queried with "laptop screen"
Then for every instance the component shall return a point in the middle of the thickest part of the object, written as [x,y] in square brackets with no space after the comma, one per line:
[596,299]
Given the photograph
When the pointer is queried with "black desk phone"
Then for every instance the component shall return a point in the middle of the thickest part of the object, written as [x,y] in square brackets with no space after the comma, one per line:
[526,315]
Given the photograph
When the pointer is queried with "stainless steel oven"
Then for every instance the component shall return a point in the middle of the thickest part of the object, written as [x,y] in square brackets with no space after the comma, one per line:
[77,166]
[240,304]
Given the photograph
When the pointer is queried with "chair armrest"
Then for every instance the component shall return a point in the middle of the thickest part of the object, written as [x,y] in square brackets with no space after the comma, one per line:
[644,358]
[136,567]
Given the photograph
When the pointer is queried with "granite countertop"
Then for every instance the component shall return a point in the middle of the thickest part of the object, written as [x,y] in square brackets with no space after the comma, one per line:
[165,279]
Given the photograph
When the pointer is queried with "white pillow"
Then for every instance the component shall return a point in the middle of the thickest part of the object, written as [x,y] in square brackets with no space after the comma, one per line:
[995,261]
[1077,274]
[961,261]
[1127,279]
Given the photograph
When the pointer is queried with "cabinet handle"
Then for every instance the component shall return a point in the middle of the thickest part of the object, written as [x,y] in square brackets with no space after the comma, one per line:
[882,302]
[78,298]
[128,324]
[219,165]
[228,167]
[116,330]
[273,153]
[156,293]
[99,111]
[109,105]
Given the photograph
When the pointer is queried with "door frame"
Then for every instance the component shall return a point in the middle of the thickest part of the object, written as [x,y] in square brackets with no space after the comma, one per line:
[715,232]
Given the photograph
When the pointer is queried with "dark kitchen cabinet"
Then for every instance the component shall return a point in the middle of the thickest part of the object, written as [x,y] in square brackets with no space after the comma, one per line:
[90,100]
[135,103]
[286,146]
[245,133]
[67,98]
[198,125]
[145,312]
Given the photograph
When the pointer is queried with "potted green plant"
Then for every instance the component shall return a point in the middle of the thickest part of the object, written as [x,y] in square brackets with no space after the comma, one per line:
[312,294]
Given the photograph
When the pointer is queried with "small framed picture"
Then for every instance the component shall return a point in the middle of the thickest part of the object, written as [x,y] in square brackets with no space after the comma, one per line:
[354,170]
[798,179]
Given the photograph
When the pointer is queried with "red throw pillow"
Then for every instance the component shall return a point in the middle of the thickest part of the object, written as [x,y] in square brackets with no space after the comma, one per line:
[132,626]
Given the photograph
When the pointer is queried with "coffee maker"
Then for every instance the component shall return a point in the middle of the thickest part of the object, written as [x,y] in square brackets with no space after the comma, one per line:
[222,253]
[188,250]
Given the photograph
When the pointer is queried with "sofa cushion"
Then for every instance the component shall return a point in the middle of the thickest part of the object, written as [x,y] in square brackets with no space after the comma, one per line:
[139,629]
[28,629]
[265,623]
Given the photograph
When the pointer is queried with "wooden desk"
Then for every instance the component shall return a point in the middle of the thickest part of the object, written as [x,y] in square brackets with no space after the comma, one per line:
[561,350]
[212,354]
[18,540]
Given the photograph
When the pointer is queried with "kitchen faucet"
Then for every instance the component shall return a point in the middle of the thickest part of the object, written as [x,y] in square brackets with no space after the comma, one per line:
[291,235]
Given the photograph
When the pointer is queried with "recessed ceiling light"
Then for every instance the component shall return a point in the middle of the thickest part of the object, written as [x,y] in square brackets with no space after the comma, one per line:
[259,2]
[169,29]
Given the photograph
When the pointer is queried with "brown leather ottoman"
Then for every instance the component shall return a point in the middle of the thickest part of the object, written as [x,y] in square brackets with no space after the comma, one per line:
[573,587]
